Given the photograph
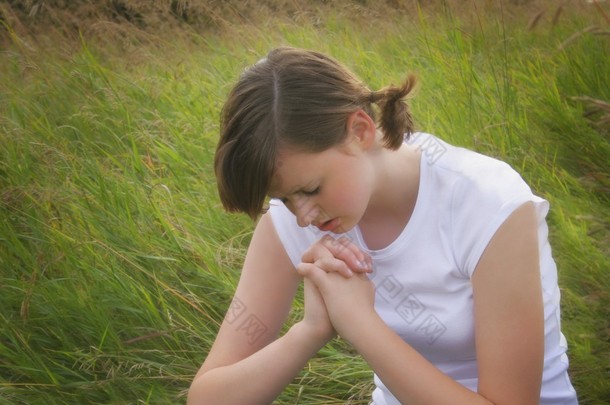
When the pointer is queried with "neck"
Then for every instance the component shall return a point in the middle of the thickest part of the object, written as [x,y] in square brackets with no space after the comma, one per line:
[397,180]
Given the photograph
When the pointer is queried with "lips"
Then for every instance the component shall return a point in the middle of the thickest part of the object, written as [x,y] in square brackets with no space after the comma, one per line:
[329,225]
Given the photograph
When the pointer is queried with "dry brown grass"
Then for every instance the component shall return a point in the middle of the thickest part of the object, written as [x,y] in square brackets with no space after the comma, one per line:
[118,19]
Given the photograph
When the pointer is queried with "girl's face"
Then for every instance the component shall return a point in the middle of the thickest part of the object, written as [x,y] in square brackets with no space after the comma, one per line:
[329,189]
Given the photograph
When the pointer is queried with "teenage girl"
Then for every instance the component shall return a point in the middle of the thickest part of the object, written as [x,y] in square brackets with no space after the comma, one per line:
[431,260]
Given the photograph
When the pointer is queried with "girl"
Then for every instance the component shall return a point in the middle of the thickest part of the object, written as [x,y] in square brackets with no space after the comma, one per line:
[431,260]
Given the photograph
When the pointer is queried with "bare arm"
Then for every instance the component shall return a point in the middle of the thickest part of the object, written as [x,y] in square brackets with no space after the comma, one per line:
[509,314]
[248,363]
[509,325]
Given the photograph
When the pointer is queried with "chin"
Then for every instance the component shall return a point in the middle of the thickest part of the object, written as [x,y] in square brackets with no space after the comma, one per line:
[343,228]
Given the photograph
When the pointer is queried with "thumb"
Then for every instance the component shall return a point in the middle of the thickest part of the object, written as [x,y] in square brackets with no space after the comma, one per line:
[313,273]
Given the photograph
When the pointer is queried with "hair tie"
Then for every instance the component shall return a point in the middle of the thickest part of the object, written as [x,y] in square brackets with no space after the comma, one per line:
[372,97]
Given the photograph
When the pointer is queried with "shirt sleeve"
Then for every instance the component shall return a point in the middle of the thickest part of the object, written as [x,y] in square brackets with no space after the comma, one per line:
[481,203]
[294,238]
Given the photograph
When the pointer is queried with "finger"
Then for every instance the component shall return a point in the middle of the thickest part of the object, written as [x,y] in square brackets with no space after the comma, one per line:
[315,274]
[315,252]
[368,263]
[334,265]
[322,256]
[343,248]
[346,250]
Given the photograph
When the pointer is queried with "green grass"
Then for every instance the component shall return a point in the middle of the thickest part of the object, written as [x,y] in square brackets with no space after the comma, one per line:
[117,261]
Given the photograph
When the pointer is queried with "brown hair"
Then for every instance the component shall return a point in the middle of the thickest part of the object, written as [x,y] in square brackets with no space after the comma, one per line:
[299,99]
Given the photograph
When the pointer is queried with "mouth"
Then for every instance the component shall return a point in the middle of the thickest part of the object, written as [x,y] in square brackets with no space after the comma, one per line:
[329,225]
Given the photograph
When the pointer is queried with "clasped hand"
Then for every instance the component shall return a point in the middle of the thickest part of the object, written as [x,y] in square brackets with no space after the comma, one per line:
[338,293]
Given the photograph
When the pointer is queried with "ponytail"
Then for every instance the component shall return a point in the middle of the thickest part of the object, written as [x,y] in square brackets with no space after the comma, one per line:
[395,121]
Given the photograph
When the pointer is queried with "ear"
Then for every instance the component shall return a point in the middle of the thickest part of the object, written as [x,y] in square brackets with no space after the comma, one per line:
[361,129]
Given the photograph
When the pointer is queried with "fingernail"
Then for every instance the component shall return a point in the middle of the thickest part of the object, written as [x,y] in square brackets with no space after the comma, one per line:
[362,265]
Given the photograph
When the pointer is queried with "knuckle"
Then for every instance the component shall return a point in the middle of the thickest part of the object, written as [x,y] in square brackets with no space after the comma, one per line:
[345,241]
[327,239]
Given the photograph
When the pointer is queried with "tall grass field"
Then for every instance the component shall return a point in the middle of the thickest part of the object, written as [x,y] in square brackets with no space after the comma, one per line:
[117,262]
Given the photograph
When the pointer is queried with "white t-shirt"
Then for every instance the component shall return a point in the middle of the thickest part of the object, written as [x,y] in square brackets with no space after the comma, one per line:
[423,288]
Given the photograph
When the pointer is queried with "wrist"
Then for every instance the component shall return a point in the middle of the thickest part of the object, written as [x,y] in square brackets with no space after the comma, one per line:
[309,336]
[351,329]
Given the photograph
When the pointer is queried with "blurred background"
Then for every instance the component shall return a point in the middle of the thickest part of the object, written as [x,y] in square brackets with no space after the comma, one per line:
[117,262]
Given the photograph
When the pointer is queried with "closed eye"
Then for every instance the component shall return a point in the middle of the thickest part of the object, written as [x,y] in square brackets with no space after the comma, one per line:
[312,192]
[307,193]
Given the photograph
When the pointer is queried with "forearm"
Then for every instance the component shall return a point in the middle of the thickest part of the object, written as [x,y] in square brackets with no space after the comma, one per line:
[409,376]
[259,378]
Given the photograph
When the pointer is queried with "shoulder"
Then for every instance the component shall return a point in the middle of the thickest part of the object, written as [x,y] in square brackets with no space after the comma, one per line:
[294,239]
[479,191]
[468,172]
[462,161]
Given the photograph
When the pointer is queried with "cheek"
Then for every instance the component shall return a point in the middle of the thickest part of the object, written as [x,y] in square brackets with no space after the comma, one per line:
[348,189]
[350,193]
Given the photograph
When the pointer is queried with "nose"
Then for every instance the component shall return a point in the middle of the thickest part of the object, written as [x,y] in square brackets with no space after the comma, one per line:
[305,211]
